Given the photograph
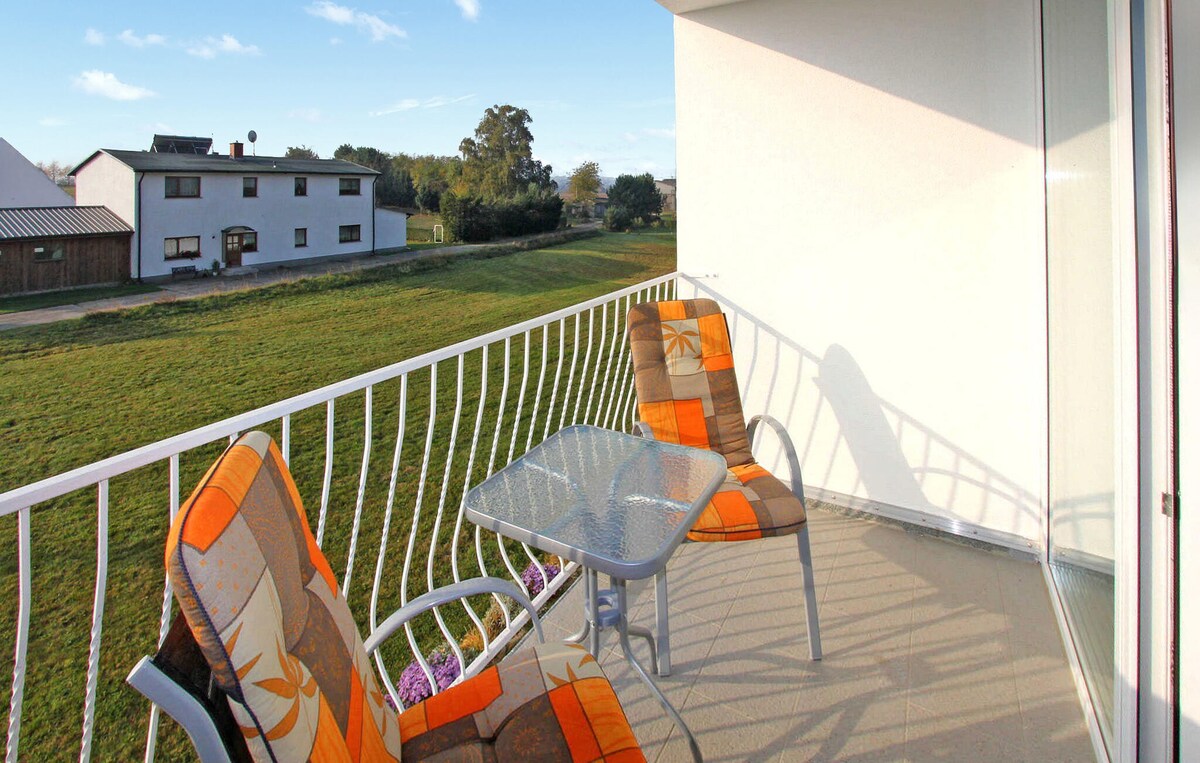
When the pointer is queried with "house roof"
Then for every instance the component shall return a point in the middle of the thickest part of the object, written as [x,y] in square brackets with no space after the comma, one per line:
[151,161]
[58,222]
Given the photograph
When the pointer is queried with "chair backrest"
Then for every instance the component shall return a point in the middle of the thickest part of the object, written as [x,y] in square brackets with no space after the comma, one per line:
[683,368]
[264,606]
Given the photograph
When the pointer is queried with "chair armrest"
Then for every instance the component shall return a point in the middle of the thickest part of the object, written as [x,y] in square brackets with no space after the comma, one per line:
[642,429]
[445,595]
[789,449]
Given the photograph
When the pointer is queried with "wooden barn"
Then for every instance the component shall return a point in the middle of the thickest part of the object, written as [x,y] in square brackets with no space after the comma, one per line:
[49,248]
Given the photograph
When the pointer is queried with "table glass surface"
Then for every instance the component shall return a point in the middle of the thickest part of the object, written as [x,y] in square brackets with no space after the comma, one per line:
[608,500]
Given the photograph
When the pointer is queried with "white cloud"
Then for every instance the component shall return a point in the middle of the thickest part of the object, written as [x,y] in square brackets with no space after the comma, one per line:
[226,43]
[470,9]
[655,132]
[93,37]
[106,84]
[409,104]
[133,41]
[335,40]
[52,122]
[307,115]
[369,24]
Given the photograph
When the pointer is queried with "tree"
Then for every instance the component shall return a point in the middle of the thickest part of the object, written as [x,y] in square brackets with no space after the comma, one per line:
[584,184]
[637,194]
[300,152]
[54,170]
[498,162]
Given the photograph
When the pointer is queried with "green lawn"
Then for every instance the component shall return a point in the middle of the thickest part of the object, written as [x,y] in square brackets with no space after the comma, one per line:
[420,228]
[78,391]
[71,297]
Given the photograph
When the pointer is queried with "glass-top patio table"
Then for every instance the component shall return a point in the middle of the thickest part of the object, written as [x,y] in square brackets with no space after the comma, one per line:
[612,502]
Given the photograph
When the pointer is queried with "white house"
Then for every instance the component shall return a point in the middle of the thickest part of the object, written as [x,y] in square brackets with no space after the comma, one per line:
[23,185]
[189,210]
[981,252]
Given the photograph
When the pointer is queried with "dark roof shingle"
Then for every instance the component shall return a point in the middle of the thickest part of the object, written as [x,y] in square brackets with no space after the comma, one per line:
[150,161]
[55,222]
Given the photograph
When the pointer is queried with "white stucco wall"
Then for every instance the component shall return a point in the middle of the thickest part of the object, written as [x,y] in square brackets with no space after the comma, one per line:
[106,182]
[391,229]
[275,214]
[864,179]
[22,184]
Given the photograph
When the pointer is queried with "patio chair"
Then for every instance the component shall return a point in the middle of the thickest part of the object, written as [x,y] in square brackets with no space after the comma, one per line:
[687,393]
[265,661]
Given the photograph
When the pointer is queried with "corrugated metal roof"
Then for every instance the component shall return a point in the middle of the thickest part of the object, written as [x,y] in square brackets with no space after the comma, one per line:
[54,222]
[149,161]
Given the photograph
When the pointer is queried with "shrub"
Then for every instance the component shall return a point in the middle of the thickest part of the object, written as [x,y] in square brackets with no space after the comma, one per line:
[532,578]
[618,218]
[467,218]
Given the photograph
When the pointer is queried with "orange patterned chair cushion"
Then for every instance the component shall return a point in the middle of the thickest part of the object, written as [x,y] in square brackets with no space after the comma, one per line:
[264,606]
[551,702]
[687,392]
[751,503]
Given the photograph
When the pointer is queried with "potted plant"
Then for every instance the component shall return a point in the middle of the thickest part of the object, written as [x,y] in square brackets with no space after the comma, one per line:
[216,267]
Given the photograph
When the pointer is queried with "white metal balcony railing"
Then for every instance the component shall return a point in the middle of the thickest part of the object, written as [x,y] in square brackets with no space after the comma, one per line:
[573,367]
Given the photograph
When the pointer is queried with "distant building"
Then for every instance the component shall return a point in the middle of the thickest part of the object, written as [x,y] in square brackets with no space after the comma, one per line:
[50,248]
[667,188]
[23,185]
[189,209]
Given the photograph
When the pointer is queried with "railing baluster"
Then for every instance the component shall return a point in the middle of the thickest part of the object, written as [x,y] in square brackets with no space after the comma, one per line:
[512,445]
[437,520]
[587,356]
[16,698]
[613,370]
[328,479]
[164,622]
[570,376]
[562,346]
[587,412]
[285,445]
[624,363]
[418,655]
[383,538]
[483,375]
[537,399]
[362,491]
[93,669]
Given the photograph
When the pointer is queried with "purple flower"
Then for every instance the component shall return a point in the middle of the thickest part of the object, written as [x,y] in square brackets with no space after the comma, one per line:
[413,686]
[532,578]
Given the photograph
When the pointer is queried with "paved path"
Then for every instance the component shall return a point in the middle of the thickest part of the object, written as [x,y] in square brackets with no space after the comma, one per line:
[192,288]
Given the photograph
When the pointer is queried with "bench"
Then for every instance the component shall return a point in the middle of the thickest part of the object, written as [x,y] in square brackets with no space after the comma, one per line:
[182,269]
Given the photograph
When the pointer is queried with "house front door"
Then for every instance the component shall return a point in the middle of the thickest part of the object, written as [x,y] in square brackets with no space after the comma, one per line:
[233,250]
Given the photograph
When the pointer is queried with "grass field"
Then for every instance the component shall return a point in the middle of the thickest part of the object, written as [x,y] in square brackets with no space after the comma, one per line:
[420,228]
[77,391]
[70,297]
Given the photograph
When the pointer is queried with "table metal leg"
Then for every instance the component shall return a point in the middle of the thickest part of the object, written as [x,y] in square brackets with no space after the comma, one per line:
[623,631]
[664,626]
[589,585]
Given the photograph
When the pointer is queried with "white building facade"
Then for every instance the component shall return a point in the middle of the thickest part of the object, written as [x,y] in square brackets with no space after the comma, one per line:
[189,211]
[22,184]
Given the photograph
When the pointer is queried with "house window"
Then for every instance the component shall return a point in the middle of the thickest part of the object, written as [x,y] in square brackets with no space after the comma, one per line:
[349,187]
[249,242]
[182,187]
[52,253]
[349,233]
[302,237]
[249,188]
[301,186]
[181,248]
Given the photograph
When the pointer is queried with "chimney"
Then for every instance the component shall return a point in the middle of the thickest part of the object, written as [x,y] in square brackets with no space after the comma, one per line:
[235,150]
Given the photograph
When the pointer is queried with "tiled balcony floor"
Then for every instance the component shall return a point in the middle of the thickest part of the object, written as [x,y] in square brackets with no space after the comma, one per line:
[933,651]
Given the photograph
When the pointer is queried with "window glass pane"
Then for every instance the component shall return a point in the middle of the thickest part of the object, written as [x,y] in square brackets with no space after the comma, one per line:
[171,247]
[348,186]
[249,187]
[249,242]
[301,186]
[302,237]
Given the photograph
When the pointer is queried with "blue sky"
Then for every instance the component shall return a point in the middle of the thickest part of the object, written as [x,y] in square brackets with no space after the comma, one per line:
[408,75]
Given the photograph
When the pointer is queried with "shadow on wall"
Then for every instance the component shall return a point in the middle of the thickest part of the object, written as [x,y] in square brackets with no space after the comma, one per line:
[940,54]
[853,442]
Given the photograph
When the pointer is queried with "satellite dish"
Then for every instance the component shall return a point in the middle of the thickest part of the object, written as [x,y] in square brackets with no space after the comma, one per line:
[253,136]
